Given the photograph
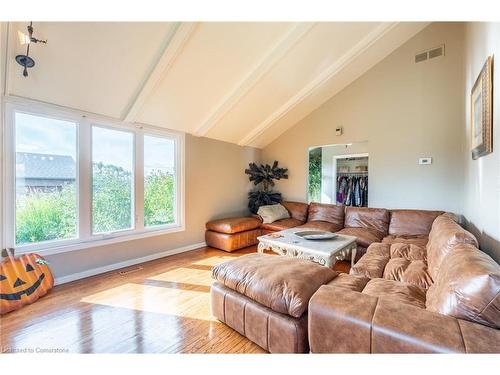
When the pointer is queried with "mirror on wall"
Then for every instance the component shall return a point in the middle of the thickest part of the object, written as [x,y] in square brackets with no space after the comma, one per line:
[338,174]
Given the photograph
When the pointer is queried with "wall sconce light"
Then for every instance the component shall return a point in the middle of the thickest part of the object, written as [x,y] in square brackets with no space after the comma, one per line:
[25,60]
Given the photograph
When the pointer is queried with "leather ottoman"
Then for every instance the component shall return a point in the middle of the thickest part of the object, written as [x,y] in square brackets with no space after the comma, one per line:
[265,298]
[233,233]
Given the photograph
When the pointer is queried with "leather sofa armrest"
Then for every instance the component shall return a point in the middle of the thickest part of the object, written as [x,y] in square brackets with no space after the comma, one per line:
[342,321]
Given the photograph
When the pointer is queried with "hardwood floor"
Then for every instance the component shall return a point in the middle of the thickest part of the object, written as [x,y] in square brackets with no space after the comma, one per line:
[162,306]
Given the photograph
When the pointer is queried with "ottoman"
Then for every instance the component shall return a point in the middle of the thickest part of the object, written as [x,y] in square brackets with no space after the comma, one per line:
[233,233]
[265,298]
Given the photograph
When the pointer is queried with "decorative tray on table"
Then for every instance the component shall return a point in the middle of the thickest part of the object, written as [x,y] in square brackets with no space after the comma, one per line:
[315,235]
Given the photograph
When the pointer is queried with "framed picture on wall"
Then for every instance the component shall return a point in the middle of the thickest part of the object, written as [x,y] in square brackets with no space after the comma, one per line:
[481,109]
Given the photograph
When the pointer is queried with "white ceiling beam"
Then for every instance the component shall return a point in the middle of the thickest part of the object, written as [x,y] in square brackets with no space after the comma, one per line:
[262,67]
[166,60]
[327,74]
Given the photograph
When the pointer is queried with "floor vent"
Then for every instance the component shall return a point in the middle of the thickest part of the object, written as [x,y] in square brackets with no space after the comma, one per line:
[129,271]
[431,53]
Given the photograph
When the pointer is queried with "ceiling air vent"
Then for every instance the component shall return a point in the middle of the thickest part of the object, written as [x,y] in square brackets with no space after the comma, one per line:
[436,52]
[421,57]
[429,54]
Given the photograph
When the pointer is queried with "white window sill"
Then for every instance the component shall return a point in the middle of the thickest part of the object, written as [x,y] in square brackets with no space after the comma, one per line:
[53,248]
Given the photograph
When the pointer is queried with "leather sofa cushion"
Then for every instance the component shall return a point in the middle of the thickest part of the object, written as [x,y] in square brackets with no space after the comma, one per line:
[408,251]
[467,287]
[443,237]
[283,284]
[409,272]
[365,236]
[320,225]
[281,224]
[350,282]
[380,249]
[340,321]
[233,224]
[274,332]
[330,213]
[395,268]
[402,328]
[396,291]
[370,265]
[376,219]
[297,210]
[412,222]
[420,240]
[478,338]
[399,262]
[417,274]
[343,321]
[232,242]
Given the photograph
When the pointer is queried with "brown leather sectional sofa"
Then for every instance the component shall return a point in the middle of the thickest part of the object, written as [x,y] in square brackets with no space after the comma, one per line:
[422,286]
[369,225]
[444,297]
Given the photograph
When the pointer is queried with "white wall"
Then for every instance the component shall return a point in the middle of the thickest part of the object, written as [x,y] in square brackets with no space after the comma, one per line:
[404,111]
[482,176]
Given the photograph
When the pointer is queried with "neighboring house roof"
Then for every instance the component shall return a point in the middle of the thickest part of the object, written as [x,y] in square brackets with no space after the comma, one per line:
[45,166]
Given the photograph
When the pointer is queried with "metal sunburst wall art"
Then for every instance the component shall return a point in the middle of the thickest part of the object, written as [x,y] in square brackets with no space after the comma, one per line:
[25,60]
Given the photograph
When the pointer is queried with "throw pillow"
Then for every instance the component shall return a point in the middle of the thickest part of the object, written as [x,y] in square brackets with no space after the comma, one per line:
[271,213]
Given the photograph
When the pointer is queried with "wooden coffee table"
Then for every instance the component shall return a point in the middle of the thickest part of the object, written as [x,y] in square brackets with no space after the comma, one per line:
[324,252]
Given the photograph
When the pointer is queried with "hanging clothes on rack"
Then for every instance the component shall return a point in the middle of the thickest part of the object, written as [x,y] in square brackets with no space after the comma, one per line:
[352,189]
[341,189]
[363,184]
[357,193]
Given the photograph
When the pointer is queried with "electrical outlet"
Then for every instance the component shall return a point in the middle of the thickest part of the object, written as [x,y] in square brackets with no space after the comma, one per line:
[425,161]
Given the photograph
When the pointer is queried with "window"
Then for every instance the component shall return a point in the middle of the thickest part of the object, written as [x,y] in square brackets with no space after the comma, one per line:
[75,181]
[45,179]
[112,179]
[159,181]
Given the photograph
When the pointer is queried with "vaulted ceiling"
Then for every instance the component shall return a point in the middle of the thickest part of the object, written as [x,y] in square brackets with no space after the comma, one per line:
[244,83]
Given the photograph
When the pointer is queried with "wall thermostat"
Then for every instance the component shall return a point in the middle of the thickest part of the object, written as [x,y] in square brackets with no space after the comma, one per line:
[425,161]
[338,130]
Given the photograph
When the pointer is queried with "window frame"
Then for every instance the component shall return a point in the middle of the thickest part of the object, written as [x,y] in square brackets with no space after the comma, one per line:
[10,178]
[150,133]
[94,124]
[84,122]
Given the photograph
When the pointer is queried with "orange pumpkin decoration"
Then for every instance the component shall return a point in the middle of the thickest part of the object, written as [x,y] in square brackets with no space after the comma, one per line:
[23,280]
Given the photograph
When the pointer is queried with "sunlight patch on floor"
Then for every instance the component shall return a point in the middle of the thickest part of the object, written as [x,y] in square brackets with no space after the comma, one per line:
[186,276]
[183,303]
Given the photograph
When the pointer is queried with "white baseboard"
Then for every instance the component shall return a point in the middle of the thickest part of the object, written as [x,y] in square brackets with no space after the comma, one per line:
[126,263]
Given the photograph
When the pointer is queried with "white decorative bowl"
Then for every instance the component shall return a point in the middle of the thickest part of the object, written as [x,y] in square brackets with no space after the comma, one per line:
[315,235]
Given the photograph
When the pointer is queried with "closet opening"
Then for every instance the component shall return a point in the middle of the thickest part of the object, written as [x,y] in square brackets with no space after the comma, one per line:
[338,174]
[350,178]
